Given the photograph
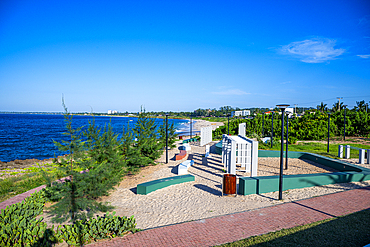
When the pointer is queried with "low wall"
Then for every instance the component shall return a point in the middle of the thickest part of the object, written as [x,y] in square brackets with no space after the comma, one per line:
[265,184]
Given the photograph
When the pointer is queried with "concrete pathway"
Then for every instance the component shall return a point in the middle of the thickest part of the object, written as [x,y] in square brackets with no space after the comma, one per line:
[233,227]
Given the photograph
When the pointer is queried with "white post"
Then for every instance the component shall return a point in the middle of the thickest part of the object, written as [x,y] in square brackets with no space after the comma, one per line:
[368,156]
[348,152]
[361,156]
[207,152]
[340,151]
[231,169]
[254,166]
[242,128]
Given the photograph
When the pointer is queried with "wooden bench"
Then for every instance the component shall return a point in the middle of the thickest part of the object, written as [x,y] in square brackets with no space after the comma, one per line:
[146,188]
[181,155]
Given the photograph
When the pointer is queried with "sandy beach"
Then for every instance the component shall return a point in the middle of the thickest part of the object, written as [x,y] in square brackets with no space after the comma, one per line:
[203,198]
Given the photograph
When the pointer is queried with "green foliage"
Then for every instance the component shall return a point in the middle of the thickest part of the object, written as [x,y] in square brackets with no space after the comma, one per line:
[311,126]
[146,138]
[84,231]
[171,135]
[19,226]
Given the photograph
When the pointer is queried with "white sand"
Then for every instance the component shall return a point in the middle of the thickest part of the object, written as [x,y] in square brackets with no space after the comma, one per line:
[202,198]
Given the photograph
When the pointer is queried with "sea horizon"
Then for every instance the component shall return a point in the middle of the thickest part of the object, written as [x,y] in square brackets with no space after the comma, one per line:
[30,136]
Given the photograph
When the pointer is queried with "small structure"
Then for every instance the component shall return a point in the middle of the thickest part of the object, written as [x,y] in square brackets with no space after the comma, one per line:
[207,152]
[347,152]
[183,167]
[242,129]
[239,150]
[205,135]
[243,113]
[181,155]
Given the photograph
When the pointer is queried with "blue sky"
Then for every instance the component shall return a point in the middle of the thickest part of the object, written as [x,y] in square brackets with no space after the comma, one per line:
[182,55]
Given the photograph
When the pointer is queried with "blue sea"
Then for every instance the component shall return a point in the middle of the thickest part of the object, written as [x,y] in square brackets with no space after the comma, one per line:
[31,136]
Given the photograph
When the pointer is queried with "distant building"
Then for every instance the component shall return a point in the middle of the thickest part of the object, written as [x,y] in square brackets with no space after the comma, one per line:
[243,113]
[112,112]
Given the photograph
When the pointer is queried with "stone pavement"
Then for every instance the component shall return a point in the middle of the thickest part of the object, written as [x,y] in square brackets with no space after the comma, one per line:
[233,227]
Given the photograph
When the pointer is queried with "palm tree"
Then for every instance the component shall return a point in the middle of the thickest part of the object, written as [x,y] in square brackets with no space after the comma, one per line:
[322,107]
[361,105]
[337,106]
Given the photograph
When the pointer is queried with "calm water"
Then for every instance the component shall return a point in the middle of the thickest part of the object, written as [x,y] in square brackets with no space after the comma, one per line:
[30,136]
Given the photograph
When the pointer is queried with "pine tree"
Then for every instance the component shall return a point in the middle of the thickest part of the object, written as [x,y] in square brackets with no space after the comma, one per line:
[86,180]
[147,143]
[170,132]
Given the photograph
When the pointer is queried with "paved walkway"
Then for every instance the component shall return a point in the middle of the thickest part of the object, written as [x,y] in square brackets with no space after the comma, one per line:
[230,228]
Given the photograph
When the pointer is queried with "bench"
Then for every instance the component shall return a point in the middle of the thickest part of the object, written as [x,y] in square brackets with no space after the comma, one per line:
[183,167]
[181,155]
[146,188]
[186,147]
[194,139]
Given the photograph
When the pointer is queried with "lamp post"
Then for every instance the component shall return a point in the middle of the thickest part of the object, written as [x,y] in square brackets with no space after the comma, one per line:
[263,124]
[228,125]
[166,138]
[272,130]
[286,145]
[191,127]
[344,132]
[328,130]
[282,107]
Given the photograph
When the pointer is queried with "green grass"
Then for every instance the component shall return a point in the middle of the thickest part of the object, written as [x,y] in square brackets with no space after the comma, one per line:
[12,186]
[349,230]
[316,148]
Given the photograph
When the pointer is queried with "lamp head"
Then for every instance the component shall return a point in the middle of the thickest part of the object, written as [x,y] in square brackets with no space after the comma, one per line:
[282,106]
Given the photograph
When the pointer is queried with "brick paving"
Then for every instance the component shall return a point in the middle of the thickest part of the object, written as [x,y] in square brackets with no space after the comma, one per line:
[233,227]
[20,197]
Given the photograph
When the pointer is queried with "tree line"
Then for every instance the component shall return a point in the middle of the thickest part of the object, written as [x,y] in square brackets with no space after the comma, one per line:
[312,125]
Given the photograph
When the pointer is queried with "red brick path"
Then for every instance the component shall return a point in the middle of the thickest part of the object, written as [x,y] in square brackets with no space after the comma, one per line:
[229,228]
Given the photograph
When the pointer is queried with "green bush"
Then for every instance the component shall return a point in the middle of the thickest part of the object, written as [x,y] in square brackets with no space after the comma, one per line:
[19,226]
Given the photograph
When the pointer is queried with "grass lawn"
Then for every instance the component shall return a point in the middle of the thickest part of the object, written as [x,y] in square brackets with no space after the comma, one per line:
[349,230]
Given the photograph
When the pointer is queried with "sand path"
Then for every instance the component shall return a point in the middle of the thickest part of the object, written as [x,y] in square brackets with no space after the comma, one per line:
[203,198]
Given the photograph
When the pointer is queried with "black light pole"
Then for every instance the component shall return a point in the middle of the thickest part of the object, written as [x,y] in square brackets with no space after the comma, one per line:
[272,130]
[166,138]
[282,107]
[328,130]
[344,132]
[191,127]
[228,125]
[286,146]
[263,124]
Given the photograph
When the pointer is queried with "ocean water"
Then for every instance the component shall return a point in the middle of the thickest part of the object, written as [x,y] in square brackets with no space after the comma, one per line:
[31,136]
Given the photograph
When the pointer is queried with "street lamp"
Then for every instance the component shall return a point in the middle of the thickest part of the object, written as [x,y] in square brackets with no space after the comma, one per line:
[344,132]
[328,130]
[191,127]
[272,130]
[263,124]
[166,138]
[228,125]
[286,145]
[282,107]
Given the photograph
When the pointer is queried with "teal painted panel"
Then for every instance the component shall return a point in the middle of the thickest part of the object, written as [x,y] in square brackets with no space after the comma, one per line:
[146,188]
[258,185]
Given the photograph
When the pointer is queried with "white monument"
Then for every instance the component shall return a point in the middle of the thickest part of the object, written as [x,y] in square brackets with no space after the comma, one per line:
[205,135]
[242,129]
[240,150]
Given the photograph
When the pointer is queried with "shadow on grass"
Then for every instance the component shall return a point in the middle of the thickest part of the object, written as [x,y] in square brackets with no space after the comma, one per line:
[349,230]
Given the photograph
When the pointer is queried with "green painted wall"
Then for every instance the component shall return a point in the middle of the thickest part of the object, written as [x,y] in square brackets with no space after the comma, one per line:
[258,185]
[146,188]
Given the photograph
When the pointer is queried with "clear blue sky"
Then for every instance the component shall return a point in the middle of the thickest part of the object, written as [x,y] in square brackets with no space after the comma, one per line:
[182,55]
